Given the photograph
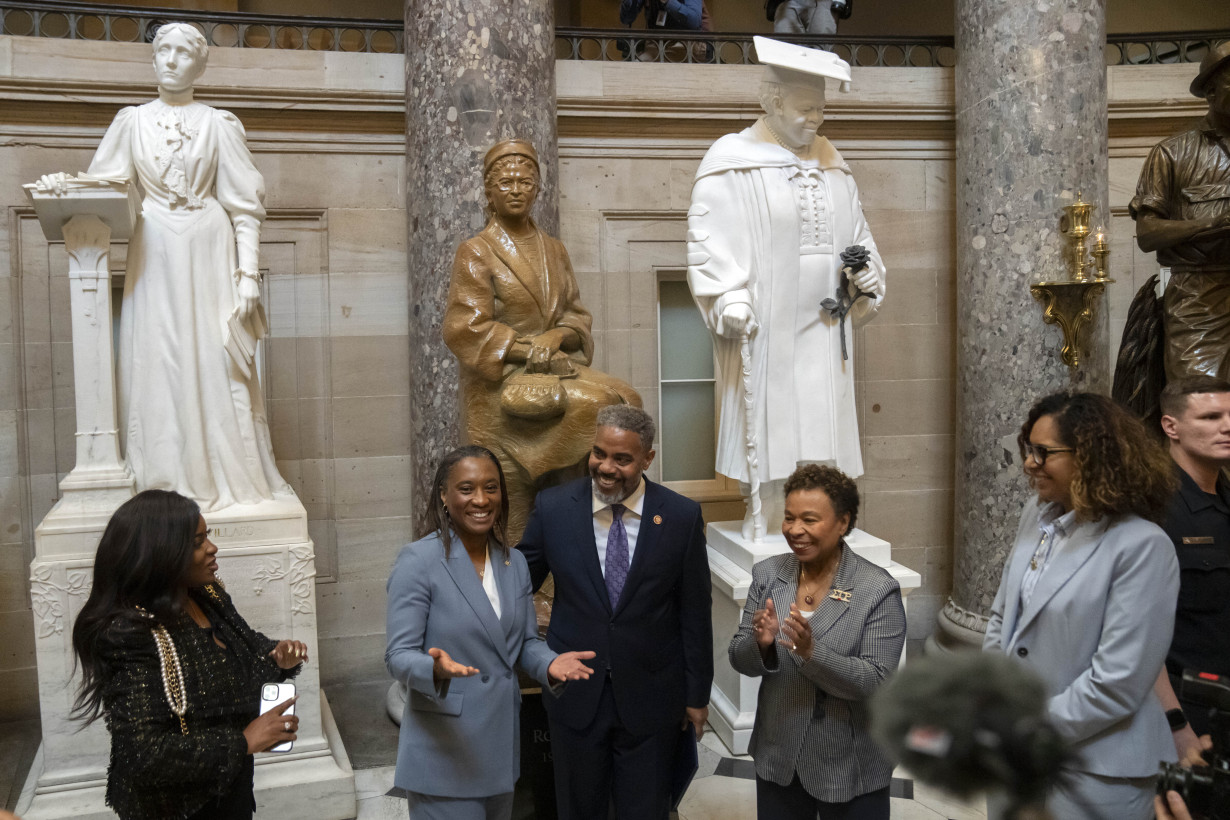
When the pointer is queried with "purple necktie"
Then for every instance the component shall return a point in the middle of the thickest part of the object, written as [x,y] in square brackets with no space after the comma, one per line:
[616,554]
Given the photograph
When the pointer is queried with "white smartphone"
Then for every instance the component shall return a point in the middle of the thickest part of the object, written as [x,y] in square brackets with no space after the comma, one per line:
[271,695]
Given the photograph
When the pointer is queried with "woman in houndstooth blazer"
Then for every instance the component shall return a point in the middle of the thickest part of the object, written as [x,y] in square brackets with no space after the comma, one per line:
[822,627]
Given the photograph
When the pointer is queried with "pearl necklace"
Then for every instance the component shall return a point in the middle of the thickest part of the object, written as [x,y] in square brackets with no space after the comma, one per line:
[172,672]
[798,152]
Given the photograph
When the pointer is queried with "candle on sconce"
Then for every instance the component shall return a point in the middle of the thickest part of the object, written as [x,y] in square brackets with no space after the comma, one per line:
[1101,250]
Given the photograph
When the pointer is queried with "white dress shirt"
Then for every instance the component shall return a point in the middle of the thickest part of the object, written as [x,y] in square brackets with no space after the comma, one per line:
[489,587]
[632,522]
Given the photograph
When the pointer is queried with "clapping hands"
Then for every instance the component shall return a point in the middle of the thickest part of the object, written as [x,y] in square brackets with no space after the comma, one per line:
[798,630]
[765,625]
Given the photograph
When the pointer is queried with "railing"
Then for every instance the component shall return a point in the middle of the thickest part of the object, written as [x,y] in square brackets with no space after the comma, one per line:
[93,21]
[1171,47]
[735,48]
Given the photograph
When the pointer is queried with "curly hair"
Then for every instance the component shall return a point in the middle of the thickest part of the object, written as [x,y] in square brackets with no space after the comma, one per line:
[839,487]
[1120,469]
[437,513]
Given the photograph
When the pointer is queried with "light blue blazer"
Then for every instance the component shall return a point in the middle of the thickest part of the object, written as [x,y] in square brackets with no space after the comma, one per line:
[1096,630]
[462,738]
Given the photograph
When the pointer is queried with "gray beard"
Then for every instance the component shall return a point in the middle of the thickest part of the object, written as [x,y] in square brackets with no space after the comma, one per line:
[608,498]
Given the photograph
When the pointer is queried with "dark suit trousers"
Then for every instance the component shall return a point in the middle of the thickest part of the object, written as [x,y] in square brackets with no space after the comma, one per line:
[774,802]
[604,761]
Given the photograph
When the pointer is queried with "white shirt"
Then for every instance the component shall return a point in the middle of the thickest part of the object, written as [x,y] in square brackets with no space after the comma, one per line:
[632,522]
[488,579]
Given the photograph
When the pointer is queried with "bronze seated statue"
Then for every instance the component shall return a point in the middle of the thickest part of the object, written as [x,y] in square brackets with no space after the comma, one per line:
[516,324]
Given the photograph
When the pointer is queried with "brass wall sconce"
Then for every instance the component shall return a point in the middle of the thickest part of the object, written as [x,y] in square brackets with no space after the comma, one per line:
[1070,303]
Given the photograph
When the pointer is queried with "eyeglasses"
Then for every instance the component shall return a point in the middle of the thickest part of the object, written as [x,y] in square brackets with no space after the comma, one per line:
[1041,452]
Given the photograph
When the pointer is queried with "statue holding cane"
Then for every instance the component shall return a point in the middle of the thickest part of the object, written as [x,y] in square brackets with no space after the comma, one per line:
[779,256]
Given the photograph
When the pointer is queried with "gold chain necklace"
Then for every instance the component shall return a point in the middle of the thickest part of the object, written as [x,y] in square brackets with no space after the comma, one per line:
[809,599]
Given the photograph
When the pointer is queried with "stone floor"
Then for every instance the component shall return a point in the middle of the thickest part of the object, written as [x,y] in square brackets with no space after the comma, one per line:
[724,787]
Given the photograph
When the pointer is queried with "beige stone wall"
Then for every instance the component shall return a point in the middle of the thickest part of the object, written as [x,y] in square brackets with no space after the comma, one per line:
[326,130]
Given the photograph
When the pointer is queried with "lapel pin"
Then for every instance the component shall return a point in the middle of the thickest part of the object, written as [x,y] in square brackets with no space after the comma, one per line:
[842,595]
[657,519]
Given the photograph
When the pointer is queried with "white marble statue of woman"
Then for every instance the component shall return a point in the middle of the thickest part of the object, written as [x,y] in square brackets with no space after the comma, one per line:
[190,419]
[773,208]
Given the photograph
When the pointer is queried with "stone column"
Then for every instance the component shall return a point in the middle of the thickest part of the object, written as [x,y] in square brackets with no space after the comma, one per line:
[476,72]
[1031,132]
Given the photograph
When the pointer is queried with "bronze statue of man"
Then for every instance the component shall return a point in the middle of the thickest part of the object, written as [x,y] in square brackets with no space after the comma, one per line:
[516,324]
[1182,211]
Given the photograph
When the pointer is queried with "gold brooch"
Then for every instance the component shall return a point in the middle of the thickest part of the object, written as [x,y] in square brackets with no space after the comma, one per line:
[657,519]
[840,595]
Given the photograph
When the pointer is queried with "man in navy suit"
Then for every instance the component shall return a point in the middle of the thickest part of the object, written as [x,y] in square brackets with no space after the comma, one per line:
[631,583]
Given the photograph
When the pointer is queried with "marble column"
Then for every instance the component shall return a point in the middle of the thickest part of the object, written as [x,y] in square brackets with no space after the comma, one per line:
[1031,133]
[477,72]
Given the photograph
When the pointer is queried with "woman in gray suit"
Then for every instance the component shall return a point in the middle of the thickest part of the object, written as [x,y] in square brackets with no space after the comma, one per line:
[822,628]
[1087,599]
[460,619]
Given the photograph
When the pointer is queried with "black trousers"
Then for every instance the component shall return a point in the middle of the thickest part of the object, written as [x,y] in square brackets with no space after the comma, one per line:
[774,802]
[605,761]
[237,804]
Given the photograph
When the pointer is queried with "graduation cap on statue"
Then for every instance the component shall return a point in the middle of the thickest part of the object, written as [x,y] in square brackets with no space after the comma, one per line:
[790,64]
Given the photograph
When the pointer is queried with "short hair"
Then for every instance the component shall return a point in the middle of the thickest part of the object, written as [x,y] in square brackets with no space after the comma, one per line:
[839,487]
[1173,399]
[437,514]
[196,40]
[1120,468]
[772,90]
[632,419]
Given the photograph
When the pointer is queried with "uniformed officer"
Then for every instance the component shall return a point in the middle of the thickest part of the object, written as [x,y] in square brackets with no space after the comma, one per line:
[1196,420]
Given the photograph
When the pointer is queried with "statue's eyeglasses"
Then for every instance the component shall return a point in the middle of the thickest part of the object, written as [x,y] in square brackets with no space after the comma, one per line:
[1041,452]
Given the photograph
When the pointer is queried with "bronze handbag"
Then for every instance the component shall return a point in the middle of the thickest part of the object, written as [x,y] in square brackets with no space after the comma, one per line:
[533,396]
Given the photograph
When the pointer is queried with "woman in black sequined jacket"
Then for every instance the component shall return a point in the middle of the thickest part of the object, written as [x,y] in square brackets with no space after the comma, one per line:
[174,669]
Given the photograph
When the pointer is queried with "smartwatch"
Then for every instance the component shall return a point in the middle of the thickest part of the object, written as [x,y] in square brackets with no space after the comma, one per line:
[1176,719]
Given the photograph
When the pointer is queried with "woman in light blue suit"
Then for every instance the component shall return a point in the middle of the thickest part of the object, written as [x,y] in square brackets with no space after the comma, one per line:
[460,620]
[1087,599]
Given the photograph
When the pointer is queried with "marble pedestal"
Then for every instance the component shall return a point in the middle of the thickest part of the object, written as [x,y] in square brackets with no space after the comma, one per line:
[266,560]
[265,557]
[732,703]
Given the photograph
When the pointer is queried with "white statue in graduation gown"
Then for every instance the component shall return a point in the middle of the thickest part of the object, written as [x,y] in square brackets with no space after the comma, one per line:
[765,229]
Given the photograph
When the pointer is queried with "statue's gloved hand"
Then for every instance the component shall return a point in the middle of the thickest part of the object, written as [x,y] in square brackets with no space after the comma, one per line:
[56,183]
[737,319]
[561,365]
[543,347]
[865,280]
[249,296]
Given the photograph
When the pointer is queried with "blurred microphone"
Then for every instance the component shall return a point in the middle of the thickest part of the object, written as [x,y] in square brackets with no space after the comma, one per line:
[971,722]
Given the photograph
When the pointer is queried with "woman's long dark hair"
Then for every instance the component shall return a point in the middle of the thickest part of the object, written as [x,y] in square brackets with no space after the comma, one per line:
[142,559]
[437,514]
